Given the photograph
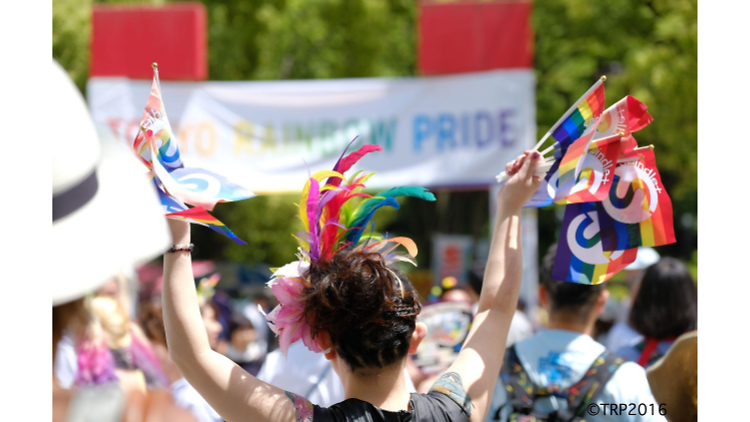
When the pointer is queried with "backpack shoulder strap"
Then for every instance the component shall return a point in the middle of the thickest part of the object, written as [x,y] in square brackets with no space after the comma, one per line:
[590,387]
[521,390]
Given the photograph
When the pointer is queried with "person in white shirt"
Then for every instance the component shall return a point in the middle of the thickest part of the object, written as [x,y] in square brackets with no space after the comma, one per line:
[307,374]
[559,356]
[66,361]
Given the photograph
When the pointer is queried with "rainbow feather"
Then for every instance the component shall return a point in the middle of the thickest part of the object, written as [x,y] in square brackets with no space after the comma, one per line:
[333,219]
[412,191]
[330,217]
[358,227]
[345,163]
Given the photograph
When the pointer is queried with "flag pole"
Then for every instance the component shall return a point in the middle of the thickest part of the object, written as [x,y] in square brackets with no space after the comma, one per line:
[156,73]
[569,112]
[550,148]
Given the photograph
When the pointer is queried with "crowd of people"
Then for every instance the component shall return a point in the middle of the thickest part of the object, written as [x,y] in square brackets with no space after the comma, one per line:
[188,353]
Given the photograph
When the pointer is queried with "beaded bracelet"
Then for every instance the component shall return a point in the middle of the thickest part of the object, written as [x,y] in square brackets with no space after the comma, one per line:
[181,248]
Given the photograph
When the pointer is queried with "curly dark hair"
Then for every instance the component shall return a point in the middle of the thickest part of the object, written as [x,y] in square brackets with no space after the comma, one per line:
[368,309]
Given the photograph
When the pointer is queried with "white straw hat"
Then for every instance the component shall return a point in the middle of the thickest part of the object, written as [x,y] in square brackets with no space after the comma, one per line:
[106,213]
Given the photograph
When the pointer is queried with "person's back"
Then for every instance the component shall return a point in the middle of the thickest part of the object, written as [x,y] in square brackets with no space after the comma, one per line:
[560,359]
[562,372]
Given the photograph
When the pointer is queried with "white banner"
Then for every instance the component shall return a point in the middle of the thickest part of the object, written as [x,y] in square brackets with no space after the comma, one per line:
[450,131]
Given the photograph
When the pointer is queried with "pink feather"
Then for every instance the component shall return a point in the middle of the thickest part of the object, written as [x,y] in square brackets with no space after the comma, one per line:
[312,207]
[347,162]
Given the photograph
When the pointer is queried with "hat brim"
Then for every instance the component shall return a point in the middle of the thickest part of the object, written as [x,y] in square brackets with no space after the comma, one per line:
[123,225]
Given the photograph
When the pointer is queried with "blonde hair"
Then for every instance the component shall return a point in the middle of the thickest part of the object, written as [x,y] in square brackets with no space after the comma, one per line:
[113,320]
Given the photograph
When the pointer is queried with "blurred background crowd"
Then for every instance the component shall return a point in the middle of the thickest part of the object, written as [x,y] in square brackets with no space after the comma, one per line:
[118,334]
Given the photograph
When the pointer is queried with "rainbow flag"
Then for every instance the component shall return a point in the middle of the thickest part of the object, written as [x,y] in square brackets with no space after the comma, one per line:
[597,171]
[168,203]
[638,210]
[571,164]
[155,124]
[199,215]
[580,257]
[591,185]
[157,148]
[581,118]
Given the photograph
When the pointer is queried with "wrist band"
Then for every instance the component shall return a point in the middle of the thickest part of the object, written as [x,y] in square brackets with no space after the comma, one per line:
[181,248]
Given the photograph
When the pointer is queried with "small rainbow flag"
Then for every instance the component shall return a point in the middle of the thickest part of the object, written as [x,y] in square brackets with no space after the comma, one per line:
[581,118]
[571,164]
[580,257]
[157,148]
[637,211]
[200,216]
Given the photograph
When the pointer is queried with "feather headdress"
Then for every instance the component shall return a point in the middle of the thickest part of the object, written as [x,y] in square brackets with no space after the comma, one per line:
[335,214]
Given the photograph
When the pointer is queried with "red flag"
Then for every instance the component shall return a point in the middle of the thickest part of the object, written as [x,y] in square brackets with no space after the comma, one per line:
[625,116]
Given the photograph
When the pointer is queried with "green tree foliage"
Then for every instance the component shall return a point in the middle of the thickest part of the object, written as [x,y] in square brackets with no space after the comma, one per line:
[71,30]
[266,223]
[303,39]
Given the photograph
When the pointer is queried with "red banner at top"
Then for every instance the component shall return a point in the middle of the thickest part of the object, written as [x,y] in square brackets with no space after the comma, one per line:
[475,36]
[127,39]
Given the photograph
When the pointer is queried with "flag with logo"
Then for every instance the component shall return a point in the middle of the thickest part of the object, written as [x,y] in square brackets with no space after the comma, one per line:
[580,256]
[592,184]
[625,116]
[177,185]
[597,169]
[637,211]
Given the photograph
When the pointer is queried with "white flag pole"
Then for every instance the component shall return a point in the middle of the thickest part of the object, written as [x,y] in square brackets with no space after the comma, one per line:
[569,112]
[550,148]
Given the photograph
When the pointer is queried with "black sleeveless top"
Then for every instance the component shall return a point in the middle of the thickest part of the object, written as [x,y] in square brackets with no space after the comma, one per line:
[433,406]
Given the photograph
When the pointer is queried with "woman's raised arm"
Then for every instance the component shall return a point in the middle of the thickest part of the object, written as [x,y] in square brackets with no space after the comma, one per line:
[231,391]
[472,377]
